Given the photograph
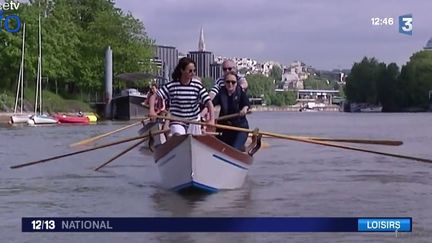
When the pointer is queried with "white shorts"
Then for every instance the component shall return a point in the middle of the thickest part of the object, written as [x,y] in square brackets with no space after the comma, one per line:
[182,129]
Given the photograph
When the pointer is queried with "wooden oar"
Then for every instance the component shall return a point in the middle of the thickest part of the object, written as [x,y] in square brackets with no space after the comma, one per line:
[84,150]
[349,140]
[222,118]
[342,140]
[92,139]
[120,154]
[293,138]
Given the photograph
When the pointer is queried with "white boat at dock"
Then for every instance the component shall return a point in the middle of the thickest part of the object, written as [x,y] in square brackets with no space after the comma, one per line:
[42,120]
[201,162]
[19,118]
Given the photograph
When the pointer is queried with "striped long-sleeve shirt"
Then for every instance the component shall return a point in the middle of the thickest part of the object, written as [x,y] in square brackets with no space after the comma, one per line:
[184,99]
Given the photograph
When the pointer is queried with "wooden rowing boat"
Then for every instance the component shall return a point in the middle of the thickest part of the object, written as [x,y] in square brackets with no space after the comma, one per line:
[201,162]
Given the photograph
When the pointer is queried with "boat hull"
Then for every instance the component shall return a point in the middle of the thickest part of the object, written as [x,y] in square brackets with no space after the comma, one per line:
[129,107]
[72,119]
[201,163]
[19,118]
[42,120]
[92,117]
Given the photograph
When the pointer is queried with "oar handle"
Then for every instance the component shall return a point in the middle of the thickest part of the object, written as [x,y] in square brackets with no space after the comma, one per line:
[222,118]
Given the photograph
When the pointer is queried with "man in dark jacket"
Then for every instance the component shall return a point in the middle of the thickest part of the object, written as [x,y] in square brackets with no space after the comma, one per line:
[232,99]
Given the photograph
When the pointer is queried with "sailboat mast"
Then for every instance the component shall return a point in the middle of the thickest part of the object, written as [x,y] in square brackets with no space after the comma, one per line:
[20,91]
[40,66]
[22,68]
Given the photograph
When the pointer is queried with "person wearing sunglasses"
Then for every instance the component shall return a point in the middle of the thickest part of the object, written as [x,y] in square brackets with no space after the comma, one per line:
[228,66]
[232,99]
[184,94]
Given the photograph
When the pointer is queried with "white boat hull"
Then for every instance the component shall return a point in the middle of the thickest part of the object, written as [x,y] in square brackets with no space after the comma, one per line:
[42,119]
[19,118]
[201,162]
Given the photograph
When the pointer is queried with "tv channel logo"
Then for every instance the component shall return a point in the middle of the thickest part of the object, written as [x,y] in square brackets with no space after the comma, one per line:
[406,24]
[8,21]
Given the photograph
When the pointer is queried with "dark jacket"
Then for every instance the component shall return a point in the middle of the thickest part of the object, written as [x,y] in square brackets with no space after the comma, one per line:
[231,105]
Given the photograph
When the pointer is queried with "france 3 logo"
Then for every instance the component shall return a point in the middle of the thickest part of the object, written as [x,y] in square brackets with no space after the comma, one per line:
[406,24]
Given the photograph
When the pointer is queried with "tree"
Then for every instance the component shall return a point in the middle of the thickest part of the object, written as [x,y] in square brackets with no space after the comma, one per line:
[388,88]
[416,80]
[314,82]
[361,82]
[259,84]
[208,83]
[276,73]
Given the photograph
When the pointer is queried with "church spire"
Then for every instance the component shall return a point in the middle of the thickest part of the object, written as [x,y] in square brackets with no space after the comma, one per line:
[201,44]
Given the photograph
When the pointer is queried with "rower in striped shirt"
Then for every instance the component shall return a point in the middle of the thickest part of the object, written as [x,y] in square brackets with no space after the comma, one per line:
[185,96]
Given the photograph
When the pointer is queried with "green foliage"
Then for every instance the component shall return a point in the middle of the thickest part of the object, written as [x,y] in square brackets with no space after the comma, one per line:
[361,82]
[378,83]
[276,73]
[314,82]
[75,35]
[416,80]
[6,100]
[283,98]
[208,83]
[262,86]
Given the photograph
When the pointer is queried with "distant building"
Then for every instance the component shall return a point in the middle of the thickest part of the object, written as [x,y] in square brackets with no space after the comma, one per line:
[291,81]
[168,55]
[428,46]
[215,70]
[312,96]
[202,58]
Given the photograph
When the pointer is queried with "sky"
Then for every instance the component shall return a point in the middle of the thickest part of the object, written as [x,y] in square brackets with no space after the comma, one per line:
[325,34]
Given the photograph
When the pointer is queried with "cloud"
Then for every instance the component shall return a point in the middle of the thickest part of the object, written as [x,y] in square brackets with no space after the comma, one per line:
[325,34]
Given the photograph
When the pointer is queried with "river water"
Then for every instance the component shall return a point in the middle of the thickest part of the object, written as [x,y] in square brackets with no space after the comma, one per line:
[286,179]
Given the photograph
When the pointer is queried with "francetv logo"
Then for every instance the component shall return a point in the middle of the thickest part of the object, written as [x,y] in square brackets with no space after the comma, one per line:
[8,22]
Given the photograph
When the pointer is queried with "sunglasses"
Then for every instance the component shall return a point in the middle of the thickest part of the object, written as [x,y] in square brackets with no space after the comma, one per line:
[230,81]
[227,69]
[192,70]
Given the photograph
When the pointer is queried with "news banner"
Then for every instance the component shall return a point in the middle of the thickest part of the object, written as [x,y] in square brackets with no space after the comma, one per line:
[217,224]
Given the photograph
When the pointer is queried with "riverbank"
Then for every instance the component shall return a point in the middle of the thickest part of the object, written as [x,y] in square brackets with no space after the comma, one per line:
[51,102]
[333,108]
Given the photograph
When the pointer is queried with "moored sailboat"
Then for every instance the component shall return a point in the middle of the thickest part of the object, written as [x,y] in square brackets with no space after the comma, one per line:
[20,117]
[38,117]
